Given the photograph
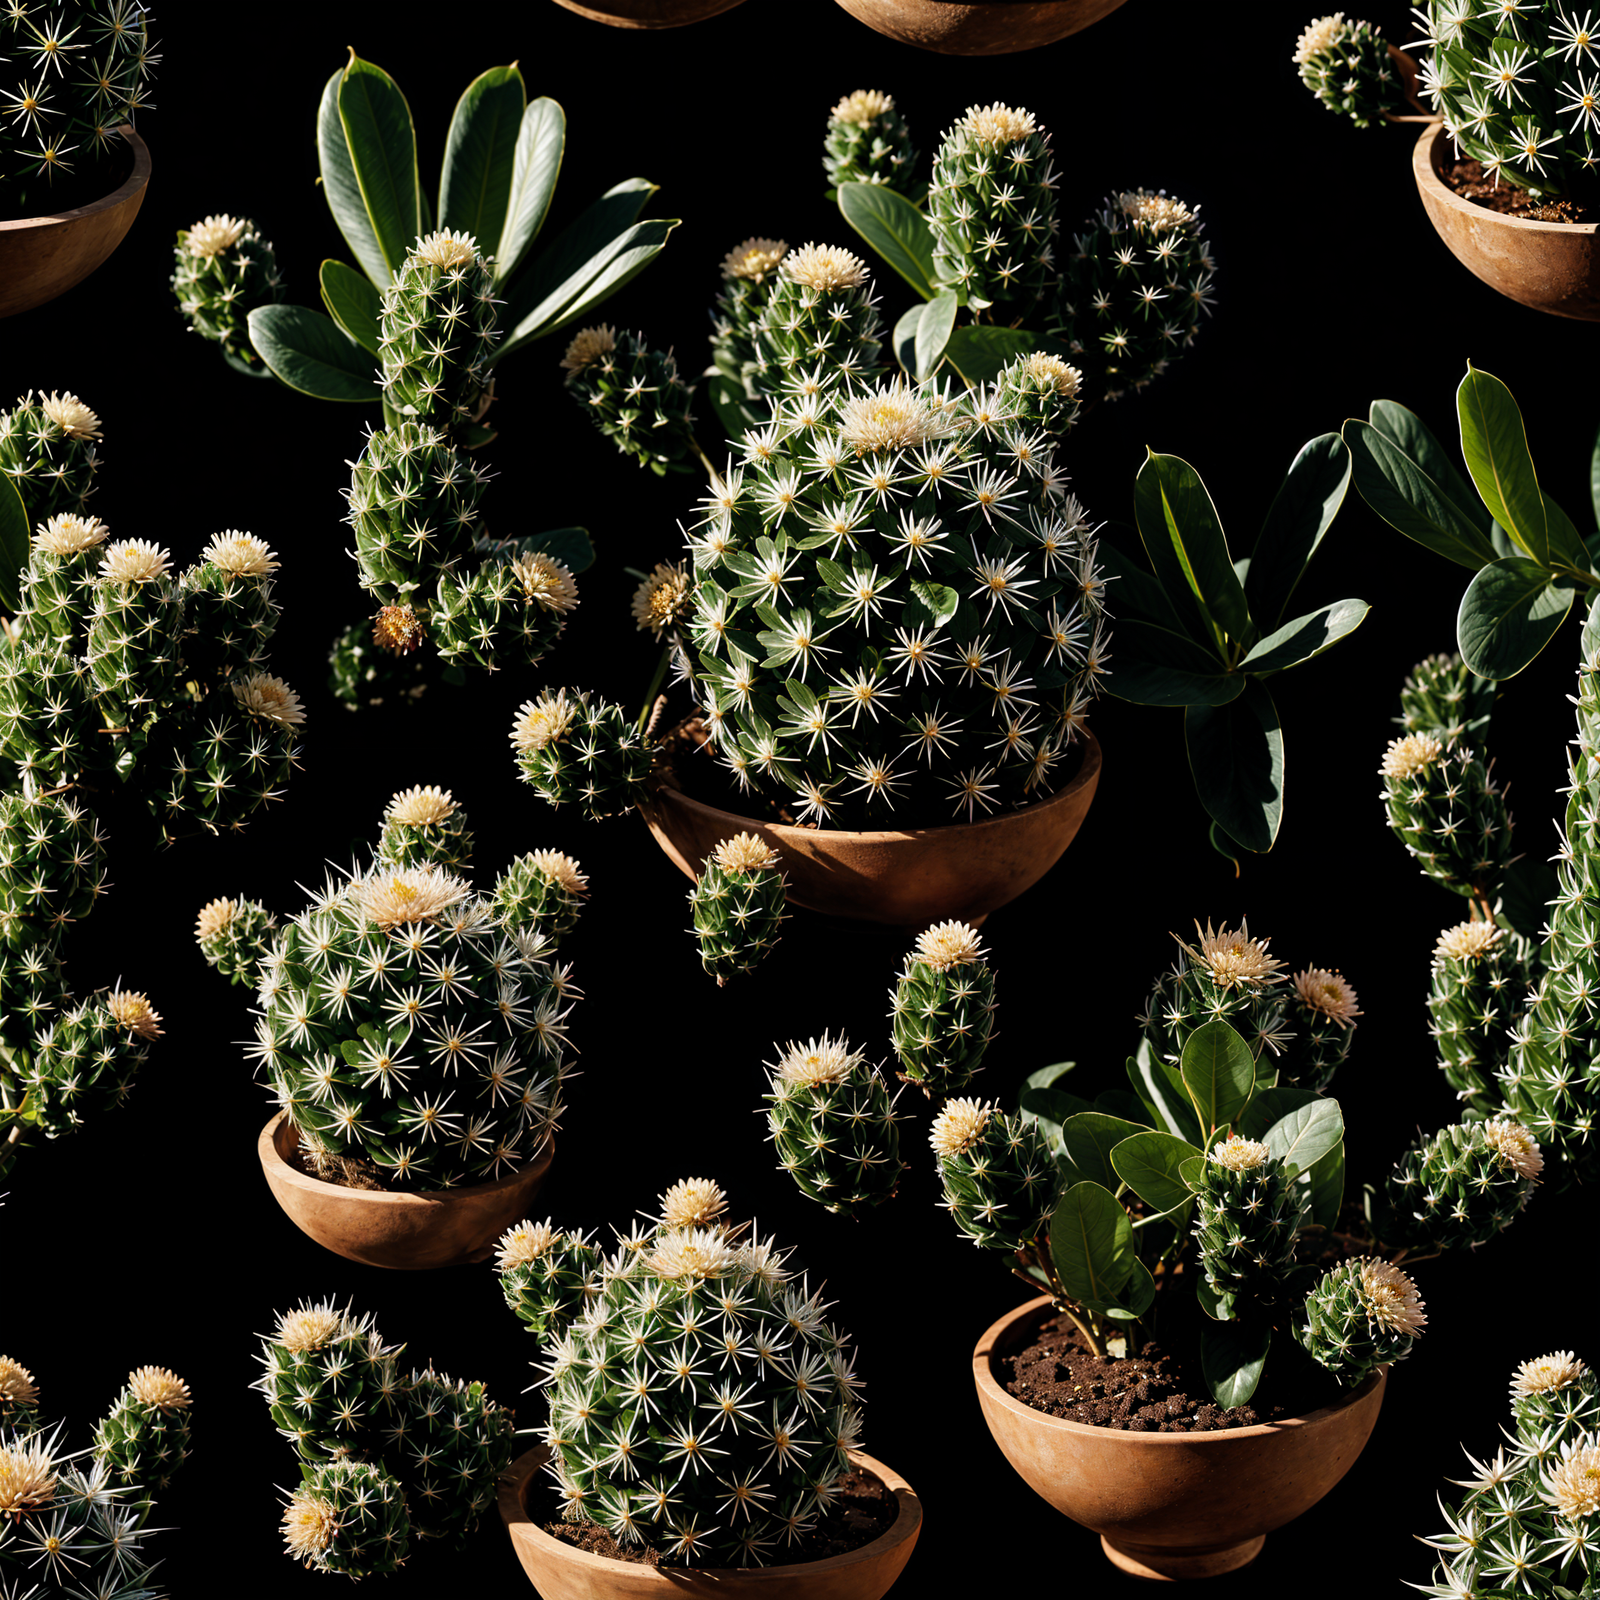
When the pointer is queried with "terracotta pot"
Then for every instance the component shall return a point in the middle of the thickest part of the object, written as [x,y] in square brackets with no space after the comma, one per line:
[981,28]
[1549,266]
[649,13]
[908,879]
[397,1230]
[560,1571]
[1171,1505]
[42,257]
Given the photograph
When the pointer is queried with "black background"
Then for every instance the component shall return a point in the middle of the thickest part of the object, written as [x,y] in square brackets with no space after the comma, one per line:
[151,1237]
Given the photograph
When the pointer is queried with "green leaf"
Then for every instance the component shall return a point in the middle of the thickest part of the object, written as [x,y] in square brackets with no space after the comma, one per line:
[1156,667]
[904,339]
[1305,637]
[1048,1109]
[352,302]
[978,354]
[1189,552]
[1566,543]
[1409,499]
[1236,756]
[251,369]
[1190,1170]
[341,189]
[1090,1137]
[1091,1242]
[480,157]
[1148,1163]
[1415,439]
[541,141]
[310,353]
[1164,1103]
[1232,1355]
[935,605]
[1495,444]
[1324,1185]
[383,152]
[1510,612]
[1268,1106]
[1046,1077]
[727,401]
[1121,1103]
[570,546]
[1306,1134]
[1219,1307]
[894,228]
[1303,509]
[1140,597]
[1137,1295]
[933,331]
[14,535]
[1219,1072]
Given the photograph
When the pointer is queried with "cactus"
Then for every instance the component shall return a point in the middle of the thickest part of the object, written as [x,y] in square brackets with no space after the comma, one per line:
[47,450]
[992,210]
[364,672]
[831,1118]
[447,1446]
[81,1064]
[425,827]
[69,76]
[571,748]
[1350,67]
[1448,813]
[234,936]
[229,613]
[1460,1187]
[868,142]
[1137,281]
[144,1438]
[1246,1217]
[52,865]
[634,396]
[1444,697]
[1479,976]
[748,275]
[19,1397]
[703,1403]
[943,1009]
[548,1277]
[347,1516]
[737,903]
[820,322]
[543,893]
[222,270]
[999,1181]
[1364,1314]
[514,605]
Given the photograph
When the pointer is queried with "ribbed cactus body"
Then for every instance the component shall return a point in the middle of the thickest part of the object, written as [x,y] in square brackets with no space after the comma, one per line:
[831,1120]
[59,582]
[52,865]
[19,1397]
[145,1437]
[541,893]
[135,647]
[1190,995]
[547,1276]
[1480,977]
[749,272]
[1348,66]
[1459,1187]
[737,904]
[47,449]
[234,935]
[447,1444]
[505,613]
[992,210]
[943,1012]
[436,330]
[1246,1217]
[83,1063]
[229,619]
[33,985]
[1446,811]
[1363,1314]
[868,142]
[634,396]
[574,749]
[999,1180]
[329,1380]
[425,827]
[820,319]
[222,271]
[1444,697]
[49,724]
[703,1403]
[1137,281]
[349,1517]
[1041,392]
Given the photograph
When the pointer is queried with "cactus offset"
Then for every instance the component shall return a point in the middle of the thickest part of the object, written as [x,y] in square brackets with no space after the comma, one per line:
[547,1276]
[222,270]
[1479,977]
[425,827]
[999,1181]
[820,323]
[347,1516]
[145,1436]
[1350,68]
[634,396]
[867,141]
[1461,1187]
[749,272]
[47,449]
[571,748]
[737,902]
[1447,812]
[1247,1215]
[1364,1314]
[943,1009]
[447,1446]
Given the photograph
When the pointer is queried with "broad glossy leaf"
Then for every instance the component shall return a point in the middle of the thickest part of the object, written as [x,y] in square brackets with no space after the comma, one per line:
[1148,1163]
[1407,498]
[1091,1242]
[934,327]
[383,151]
[1304,507]
[1324,1187]
[1046,1077]
[341,189]
[978,354]
[1407,430]
[14,534]
[1187,548]
[572,547]
[1136,1296]
[1048,1109]
[1165,1105]
[309,353]
[1510,612]
[1305,637]
[541,141]
[1121,1103]
[1268,1106]
[480,157]
[1191,1170]
[1232,1356]
[1090,1137]
[937,602]
[1303,1136]
[1236,756]
[1138,594]
[1153,683]
[1594,477]
[1566,543]
[894,228]
[1495,445]
[352,302]
[904,339]
[252,369]
[1219,1307]
[1219,1072]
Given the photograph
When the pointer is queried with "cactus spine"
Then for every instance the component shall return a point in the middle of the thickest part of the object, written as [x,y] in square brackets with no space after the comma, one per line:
[1460,1187]
[1364,1314]
[1246,1218]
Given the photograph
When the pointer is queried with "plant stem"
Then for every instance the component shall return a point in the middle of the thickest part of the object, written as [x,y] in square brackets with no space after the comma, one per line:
[655,686]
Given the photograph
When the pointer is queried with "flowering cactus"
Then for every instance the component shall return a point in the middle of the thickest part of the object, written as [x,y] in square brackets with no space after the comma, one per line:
[634,396]
[943,1009]
[1448,813]
[1364,1314]
[222,270]
[547,1276]
[47,450]
[1462,1186]
[737,904]
[820,320]
[868,142]
[1350,67]
[347,1516]
[999,1181]
[570,747]
[1246,1217]
[145,1436]
[1479,977]
[749,272]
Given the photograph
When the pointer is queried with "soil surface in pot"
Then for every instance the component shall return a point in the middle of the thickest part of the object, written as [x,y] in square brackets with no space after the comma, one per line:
[863,1510]
[1467,179]
[1155,1391]
[351,1174]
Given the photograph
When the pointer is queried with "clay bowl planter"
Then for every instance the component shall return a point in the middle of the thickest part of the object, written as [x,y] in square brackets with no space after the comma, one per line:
[1171,1505]
[560,1571]
[980,28]
[397,1230]
[42,257]
[907,879]
[649,13]
[1548,266]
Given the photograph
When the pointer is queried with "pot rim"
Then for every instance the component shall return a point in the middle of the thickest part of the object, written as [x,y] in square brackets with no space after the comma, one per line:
[1429,142]
[991,1391]
[137,179]
[515,1480]
[1087,774]
[267,1149]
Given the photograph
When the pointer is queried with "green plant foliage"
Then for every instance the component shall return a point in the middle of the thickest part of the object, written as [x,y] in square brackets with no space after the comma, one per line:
[1351,69]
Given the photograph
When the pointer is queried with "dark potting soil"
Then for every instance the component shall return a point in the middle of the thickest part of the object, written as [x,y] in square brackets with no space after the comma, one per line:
[862,1510]
[1155,1391]
[352,1174]
[1466,177]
